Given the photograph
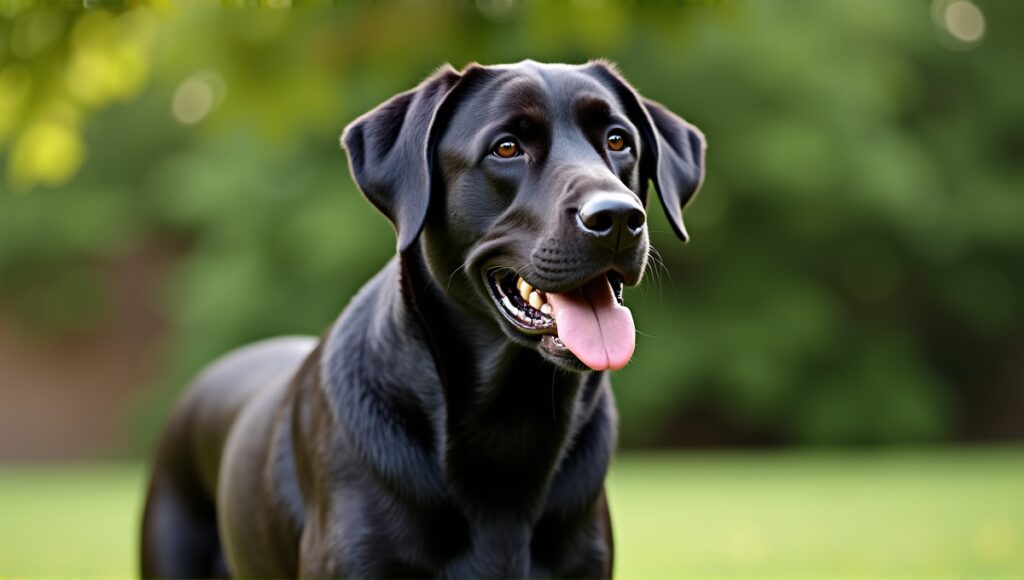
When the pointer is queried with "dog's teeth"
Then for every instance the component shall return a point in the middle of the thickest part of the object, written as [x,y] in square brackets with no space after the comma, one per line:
[535,300]
[545,308]
[519,283]
[525,290]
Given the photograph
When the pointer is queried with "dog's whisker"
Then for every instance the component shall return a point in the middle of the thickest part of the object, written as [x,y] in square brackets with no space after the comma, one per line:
[647,334]
[448,283]
[659,268]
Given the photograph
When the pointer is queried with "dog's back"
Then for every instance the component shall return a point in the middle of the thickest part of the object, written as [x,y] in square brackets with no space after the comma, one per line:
[179,530]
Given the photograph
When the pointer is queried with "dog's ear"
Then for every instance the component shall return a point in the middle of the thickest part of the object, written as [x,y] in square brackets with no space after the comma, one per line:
[672,152]
[389,153]
[677,162]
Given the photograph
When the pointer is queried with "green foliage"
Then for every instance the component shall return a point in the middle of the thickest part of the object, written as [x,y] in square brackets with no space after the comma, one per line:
[855,272]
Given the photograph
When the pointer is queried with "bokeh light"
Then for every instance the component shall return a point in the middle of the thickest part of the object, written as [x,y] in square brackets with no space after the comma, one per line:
[197,96]
[962,20]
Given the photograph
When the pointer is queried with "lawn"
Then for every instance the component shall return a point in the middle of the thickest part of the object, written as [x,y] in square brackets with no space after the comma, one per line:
[897,514]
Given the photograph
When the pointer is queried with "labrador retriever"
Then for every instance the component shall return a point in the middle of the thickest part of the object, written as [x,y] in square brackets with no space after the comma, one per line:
[457,419]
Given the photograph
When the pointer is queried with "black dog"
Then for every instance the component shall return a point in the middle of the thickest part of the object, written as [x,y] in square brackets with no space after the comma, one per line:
[456,420]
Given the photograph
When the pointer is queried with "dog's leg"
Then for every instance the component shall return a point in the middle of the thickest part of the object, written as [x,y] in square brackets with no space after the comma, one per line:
[179,526]
[182,535]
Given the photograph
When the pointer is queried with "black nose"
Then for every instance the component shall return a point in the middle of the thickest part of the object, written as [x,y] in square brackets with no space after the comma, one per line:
[618,217]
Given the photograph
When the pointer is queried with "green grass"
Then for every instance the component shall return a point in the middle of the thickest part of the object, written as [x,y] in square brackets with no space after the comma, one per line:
[898,514]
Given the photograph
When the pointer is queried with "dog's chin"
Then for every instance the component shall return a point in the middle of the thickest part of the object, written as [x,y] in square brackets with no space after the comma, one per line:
[549,347]
[528,321]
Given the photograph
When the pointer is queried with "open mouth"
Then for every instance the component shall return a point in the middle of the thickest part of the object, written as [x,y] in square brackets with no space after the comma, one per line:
[588,323]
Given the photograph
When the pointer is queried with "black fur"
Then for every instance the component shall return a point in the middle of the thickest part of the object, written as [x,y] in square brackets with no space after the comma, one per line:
[423,435]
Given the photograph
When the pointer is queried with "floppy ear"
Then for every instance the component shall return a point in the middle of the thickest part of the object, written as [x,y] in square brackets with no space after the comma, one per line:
[677,167]
[389,153]
[672,152]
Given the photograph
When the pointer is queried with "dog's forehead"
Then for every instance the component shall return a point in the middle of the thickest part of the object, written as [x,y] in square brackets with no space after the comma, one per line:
[549,92]
[564,84]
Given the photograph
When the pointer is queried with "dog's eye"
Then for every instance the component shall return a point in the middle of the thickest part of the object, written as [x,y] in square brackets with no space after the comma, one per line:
[507,149]
[616,142]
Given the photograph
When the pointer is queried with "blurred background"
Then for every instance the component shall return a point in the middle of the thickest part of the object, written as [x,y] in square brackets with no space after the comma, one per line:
[171,186]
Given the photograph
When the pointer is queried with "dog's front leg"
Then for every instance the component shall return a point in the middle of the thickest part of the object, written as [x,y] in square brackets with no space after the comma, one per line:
[316,558]
[500,549]
[350,534]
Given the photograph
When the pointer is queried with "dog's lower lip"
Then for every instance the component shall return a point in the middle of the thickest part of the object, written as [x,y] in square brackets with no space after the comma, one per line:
[515,308]
[554,345]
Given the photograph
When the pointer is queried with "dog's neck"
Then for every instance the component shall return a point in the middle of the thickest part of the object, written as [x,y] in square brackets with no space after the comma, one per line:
[510,415]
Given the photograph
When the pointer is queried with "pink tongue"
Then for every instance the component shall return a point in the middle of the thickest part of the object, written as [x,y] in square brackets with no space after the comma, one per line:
[594,326]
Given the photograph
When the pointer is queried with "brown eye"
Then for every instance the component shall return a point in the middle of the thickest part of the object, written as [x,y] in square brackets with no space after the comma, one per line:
[507,149]
[616,142]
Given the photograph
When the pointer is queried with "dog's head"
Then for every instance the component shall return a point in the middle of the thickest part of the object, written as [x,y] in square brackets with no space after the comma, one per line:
[528,186]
